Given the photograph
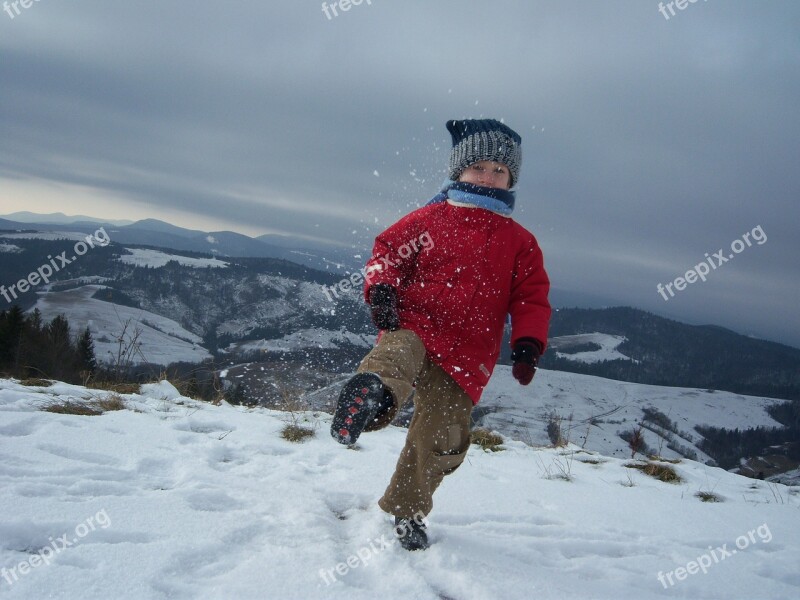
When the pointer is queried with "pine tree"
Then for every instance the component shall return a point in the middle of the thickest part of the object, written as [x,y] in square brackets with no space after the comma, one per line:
[35,320]
[86,355]
[34,344]
[60,352]
[11,328]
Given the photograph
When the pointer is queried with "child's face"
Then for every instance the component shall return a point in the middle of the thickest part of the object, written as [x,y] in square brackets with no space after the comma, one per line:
[487,173]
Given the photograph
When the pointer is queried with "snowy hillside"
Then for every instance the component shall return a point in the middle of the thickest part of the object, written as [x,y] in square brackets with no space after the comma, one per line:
[171,498]
[161,341]
[606,347]
[602,408]
[143,257]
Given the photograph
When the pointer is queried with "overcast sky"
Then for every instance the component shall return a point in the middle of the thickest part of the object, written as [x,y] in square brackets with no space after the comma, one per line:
[647,141]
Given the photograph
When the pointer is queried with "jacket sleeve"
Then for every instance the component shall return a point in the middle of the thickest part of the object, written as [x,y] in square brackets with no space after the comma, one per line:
[394,252]
[529,305]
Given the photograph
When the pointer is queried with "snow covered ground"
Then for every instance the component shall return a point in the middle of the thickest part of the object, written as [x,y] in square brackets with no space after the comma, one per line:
[143,257]
[162,340]
[173,498]
[607,350]
[595,410]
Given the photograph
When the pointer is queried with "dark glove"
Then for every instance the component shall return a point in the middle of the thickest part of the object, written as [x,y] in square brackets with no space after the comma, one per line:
[525,357]
[383,303]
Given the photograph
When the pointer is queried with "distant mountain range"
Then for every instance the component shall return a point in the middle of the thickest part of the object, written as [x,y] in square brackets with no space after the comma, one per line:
[55,218]
[155,233]
[272,296]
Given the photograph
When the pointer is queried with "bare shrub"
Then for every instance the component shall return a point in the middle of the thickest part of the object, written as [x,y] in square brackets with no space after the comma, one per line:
[487,440]
[555,430]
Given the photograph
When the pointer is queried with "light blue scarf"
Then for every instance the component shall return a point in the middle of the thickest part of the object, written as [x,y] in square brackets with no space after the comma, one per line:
[493,199]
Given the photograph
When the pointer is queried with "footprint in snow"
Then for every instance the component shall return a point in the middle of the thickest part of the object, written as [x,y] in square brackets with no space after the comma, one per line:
[156,474]
[202,426]
[93,458]
[212,501]
[21,428]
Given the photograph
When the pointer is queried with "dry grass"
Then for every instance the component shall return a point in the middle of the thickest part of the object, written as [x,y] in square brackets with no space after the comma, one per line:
[117,388]
[559,468]
[87,408]
[296,433]
[486,439]
[658,471]
[36,382]
[295,407]
[708,497]
[656,457]
[69,407]
[628,483]
[110,403]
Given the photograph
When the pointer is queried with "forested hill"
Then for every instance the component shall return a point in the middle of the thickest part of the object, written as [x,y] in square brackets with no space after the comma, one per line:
[666,352]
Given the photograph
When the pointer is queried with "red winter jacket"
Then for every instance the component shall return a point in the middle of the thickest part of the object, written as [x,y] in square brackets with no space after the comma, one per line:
[458,271]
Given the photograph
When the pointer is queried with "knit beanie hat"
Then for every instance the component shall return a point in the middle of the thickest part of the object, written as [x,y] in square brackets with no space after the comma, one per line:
[484,139]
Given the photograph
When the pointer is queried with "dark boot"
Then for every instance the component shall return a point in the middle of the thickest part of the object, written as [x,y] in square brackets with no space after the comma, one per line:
[361,398]
[411,533]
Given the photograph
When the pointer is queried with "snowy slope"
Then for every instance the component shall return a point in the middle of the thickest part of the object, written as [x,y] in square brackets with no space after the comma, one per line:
[305,338]
[143,257]
[178,499]
[162,340]
[607,350]
[612,407]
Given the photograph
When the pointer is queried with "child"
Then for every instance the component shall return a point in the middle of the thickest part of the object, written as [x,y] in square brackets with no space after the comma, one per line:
[440,284]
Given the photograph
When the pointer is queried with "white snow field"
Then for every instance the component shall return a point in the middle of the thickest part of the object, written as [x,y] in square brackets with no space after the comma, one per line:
[161,340]
[144,257]
[173,498]
[600,409]
[607,351]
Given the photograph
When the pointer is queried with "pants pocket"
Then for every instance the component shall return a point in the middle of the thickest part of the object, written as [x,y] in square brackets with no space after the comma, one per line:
[440,464]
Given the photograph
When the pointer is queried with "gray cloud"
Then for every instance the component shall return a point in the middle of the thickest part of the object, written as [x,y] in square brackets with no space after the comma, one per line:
[647,142]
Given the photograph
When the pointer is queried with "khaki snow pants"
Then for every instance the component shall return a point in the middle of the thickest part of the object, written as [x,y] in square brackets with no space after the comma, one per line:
[438,435]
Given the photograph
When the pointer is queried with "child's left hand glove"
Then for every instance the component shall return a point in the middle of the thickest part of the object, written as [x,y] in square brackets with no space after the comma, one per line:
[383,304]
[525,357]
